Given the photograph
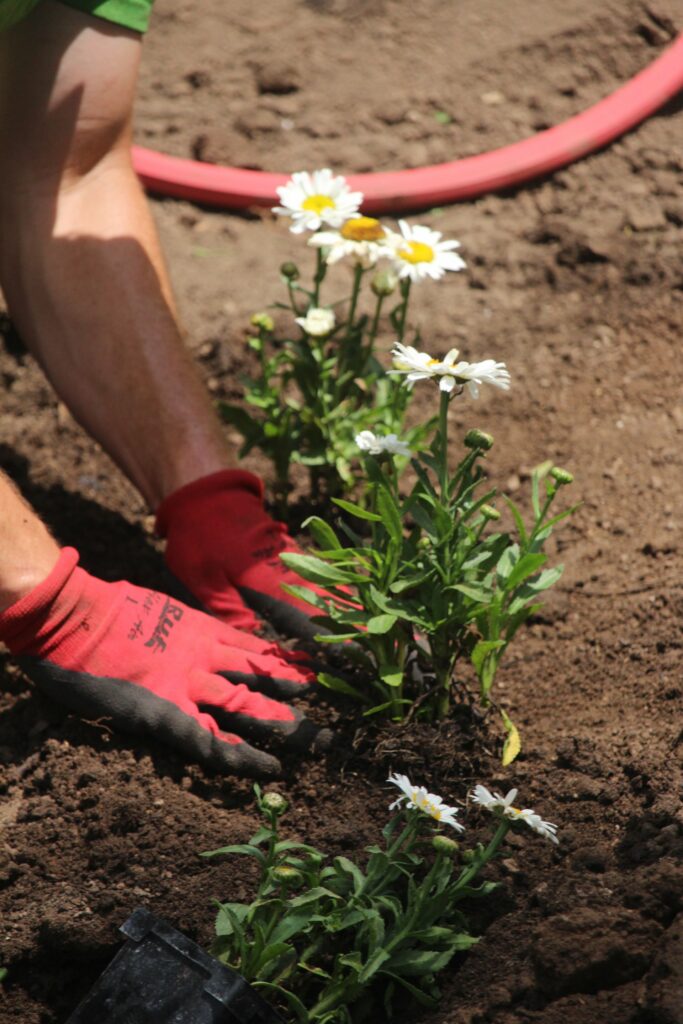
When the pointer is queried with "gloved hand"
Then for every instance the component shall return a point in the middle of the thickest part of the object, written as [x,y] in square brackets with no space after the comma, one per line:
[148,663]
[223,545]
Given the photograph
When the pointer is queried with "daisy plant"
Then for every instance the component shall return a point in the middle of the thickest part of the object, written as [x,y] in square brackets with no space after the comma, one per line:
[319,381]
[333,941]
[438,585]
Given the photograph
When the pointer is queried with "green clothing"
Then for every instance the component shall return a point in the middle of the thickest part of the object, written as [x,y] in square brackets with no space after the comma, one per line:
[131,14]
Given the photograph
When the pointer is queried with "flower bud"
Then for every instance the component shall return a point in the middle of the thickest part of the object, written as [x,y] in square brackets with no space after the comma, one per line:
[442,844]
[264,321]
[290,271]
[467,856]
[561,476]
[286,876]
[478,439]
[384,283]
[274,802]
[489,512]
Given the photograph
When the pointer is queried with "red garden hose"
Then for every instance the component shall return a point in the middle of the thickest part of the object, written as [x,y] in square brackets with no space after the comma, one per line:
[511,165]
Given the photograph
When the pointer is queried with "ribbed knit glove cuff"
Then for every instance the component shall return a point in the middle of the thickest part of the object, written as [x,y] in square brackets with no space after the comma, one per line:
[21,622]
[182,501]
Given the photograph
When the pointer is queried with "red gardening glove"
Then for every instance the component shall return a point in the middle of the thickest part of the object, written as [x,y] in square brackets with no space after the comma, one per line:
[149,663]
[222,544]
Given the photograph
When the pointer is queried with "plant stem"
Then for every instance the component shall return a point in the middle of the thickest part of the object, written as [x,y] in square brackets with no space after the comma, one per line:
[320,268]
[357,278]
[405,294]
[485,856]
[443,446]
[375,324]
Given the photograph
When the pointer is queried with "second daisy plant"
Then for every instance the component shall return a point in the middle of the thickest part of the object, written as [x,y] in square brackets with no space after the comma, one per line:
[342,942]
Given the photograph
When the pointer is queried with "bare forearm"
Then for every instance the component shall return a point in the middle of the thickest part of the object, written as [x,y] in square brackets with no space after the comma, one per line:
[95,309]
[27,551]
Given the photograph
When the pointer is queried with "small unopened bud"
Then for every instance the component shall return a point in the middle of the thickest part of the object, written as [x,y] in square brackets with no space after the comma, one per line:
[489,512]
[274,802]
[384,283]
[467,856]
[290,271]
[286,876]
[264,321]
[561,476]
[442,844]
[478,439]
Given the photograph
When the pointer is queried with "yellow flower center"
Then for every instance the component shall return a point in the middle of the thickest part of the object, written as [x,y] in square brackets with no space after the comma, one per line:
[317,203]
[417,252]
[362,229]
[515,810]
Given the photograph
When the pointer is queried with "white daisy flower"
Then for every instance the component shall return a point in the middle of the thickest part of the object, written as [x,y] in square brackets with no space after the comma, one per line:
[420,799]
[374,444]
[535,822]
[503,807]
[419,253]
[318,322]
[312,200]
[362,238]
[421,366]
[492,801]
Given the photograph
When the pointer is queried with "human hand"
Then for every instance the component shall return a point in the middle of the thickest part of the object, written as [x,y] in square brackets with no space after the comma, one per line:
[149,664]
[225,548]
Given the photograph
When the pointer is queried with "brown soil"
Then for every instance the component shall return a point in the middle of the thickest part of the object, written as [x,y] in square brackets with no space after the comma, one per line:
[576,283]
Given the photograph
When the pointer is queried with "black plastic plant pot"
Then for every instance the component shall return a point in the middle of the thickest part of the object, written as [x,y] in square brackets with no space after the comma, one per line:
[162,977]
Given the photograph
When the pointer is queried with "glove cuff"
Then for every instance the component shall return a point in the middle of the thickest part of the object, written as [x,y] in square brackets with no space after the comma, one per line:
[15,619]
[185,499]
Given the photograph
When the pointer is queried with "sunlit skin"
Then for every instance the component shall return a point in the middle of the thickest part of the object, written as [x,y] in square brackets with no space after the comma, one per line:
[82,272]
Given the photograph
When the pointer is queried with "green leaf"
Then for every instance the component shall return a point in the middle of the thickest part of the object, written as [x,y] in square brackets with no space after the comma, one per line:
[513,743]
[418,994]
[341,686]
[507,561]
[545,579]
[410,582]
[357,511]
[391,675]
[482,650]
[294,922]
[388,509]
[293,1001]
[537,475]
[347,867]
[335,638]
[477,594]
[318,892]
[415,963]
[373,964]
[526,566]
[317,571]
[228,915]
[271,952]
[251,851]
[378,708]
[519,522]
[380,624]
[424,520]
[322,532]
[306,594]
[384,603]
